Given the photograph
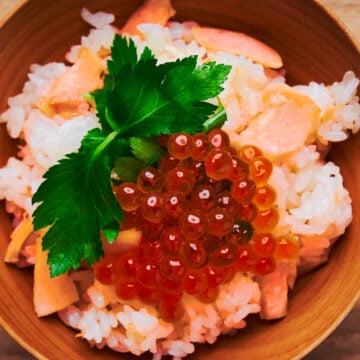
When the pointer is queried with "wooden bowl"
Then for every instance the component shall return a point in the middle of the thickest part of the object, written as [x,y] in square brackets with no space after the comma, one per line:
[314,46]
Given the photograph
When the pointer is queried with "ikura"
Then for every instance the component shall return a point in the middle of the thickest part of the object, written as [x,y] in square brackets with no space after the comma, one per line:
[180,145]
[218,165]
[201,147]
[193,224]
[219,139]
[127,195]
[287,248]
[220,222]
[260,169]
[180,179]
[150,180]
[248,153]
[151,207]
[264,197]
[205,213]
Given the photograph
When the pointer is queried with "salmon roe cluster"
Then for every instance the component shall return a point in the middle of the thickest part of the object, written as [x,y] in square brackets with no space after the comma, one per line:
[206,212]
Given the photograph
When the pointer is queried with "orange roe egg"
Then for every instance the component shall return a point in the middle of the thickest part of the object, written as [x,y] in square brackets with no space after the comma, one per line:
[219,139]
[105,269]
[264,197]
[219,222]
[201,147]
[287,248]
[218,165]
[264,244]
[127,195]
[246,258]
[260,169]
[150,180]
[206,212]
[243,190]
[266,220]
[194,282]
[151,207]
[249,152]
[180,145]
[265,265]
[180,179]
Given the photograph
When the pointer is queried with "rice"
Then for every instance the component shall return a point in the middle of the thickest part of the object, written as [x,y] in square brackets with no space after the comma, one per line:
[311,200]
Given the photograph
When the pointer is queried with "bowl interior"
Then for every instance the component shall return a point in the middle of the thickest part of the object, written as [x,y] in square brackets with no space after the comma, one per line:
[314,47]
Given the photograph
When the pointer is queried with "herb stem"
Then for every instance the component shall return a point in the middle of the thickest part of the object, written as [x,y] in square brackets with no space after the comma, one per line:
[104,144]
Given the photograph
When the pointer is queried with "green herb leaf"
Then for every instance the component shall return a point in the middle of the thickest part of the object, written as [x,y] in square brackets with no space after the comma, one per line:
[77,201]
[139,99]
[127,168]
[148,150]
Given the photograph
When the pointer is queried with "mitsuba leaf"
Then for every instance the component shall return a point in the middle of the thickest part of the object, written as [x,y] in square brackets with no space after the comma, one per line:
[76,201]
[139,99]
[164,99]
[128,168]
[148,150]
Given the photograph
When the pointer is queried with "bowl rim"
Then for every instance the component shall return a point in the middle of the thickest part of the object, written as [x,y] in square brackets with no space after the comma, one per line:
[356,43]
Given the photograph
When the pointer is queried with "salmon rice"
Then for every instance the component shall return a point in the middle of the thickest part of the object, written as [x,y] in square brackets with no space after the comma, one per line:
[254,271]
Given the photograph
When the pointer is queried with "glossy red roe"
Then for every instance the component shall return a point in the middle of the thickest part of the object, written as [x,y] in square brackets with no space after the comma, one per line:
[171,239]
[148,295]
[127,263]
[175,204]
[152,229]
[151,207]
[287,248]
[128,196]
[246,211]
[265,265]
[205,213]
[204,197]
[208,295]
[266,220]
[264,244]
[224,256]
[180,145]
[264,197]
[241,233]
[193,253]
[193,224]
[167,162]
[180,179]
[240,169]
[126,289]
[172,268]
[148,274]
[105,269]
[220,222]
[211,243]
[215,275]
[260,169]
[150,251]
[246,258]
[249,152]
[218,165]
[194,282]
[150,180]
[219,139]
[201,147]
[243,190]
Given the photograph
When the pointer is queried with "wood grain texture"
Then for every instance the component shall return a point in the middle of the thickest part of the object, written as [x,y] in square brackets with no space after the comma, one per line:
[344,342]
